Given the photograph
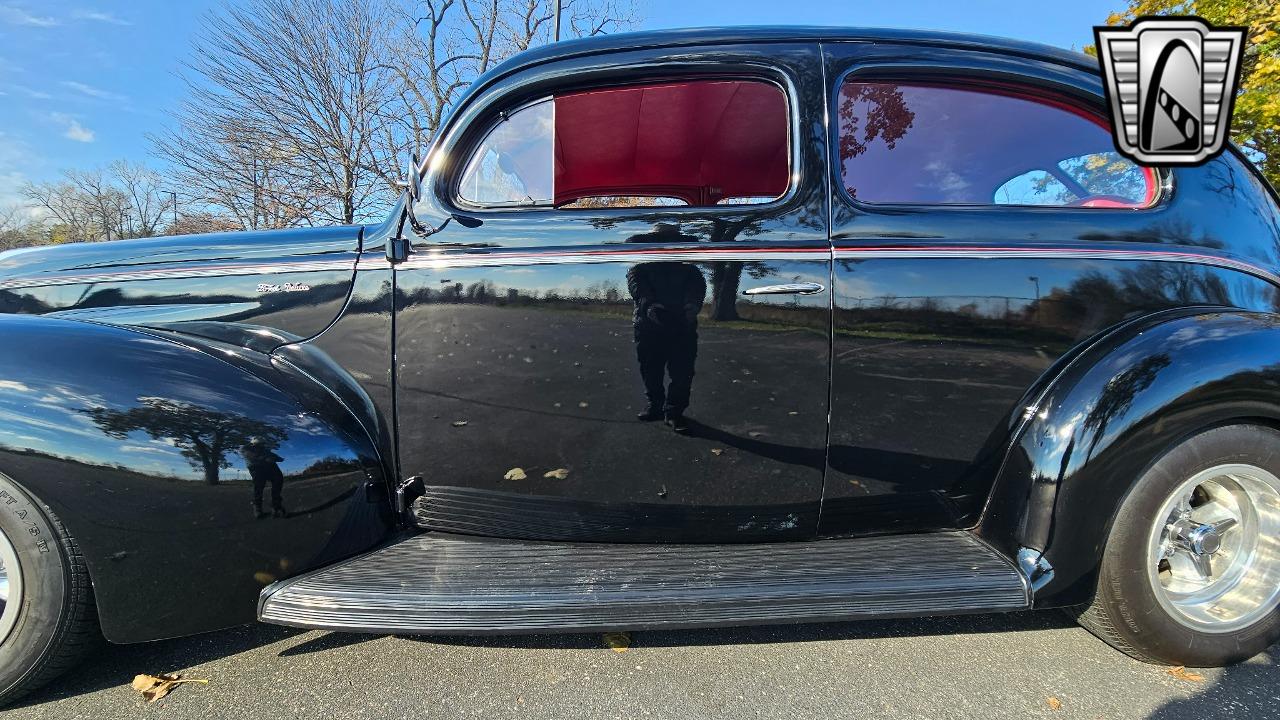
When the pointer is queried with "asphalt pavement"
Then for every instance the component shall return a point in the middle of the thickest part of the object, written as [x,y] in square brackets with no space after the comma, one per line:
[1025,665]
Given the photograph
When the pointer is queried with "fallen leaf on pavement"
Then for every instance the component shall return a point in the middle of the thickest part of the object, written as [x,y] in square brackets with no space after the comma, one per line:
[459,423]
[1054,703]
[1182,673]
[557,474]
[617,641]
[154,687]
[515,474]
[717,451]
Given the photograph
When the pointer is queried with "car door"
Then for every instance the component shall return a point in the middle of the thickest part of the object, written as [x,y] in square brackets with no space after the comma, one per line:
[649,229]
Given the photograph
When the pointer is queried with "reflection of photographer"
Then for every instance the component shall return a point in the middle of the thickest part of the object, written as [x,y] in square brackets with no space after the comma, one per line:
[668,297]
[263,465]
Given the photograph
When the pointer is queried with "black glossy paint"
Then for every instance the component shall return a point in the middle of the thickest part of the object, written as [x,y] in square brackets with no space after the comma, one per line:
[1122,403]
[150,452]
[508,323]
[517,365]
[205,285]
[936,358]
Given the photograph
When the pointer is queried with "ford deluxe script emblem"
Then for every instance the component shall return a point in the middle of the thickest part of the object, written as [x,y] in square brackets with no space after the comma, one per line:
[284,287]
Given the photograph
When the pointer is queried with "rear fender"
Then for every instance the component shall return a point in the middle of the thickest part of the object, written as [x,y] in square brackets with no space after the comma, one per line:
[1107,417]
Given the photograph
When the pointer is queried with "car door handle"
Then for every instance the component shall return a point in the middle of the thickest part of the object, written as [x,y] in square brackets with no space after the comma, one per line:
[804,288]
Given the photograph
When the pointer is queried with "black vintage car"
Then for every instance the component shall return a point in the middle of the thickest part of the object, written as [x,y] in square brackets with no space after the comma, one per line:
[675,329]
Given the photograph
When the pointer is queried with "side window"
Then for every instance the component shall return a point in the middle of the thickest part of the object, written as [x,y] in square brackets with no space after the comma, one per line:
[512,165]
[929,144]
[688,143]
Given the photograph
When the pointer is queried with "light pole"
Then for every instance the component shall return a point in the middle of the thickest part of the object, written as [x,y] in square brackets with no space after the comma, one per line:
[1036,279]
[174,195]
[556,37]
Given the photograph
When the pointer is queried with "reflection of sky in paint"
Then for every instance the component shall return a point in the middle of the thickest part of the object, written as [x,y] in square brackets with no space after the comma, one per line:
[53,418]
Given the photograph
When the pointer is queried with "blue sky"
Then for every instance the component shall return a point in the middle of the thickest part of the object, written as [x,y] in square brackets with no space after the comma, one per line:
[82,84]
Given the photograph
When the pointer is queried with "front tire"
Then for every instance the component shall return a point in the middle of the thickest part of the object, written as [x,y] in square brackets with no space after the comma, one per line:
[47,616]
[1191,571]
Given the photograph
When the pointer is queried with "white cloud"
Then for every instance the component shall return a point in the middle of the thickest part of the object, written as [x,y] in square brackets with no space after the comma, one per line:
[79,133]
[145,449]
[91,91]
[17,16]
[74,130]
[31,92]
[99,16]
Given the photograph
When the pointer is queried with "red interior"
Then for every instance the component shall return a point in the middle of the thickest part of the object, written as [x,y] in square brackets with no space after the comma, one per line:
[699,141]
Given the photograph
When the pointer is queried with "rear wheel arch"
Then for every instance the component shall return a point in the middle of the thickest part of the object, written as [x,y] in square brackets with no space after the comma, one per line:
[1183,612]
[1067,472]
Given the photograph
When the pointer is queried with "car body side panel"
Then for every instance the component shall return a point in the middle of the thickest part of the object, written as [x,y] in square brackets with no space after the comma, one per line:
[255,289]
[352,357]
[1122,404]
[948,317]
[516,348]
[934,357]
[189,480]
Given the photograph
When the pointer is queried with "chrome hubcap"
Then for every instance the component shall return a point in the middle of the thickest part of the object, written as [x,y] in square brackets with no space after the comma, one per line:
[1215,549]
[10,587]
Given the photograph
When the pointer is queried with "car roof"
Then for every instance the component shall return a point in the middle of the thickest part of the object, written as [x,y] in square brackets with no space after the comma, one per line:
[780,34]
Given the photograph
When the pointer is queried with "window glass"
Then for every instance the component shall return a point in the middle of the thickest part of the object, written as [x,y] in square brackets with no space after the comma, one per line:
[512,166]
[1106,173]
[929,144]
[690,143]
[608,201]
[1035,187]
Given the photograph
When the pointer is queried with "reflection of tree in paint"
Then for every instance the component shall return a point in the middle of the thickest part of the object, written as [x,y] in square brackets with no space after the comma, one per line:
[1117,397]
[202,436]
[868,111]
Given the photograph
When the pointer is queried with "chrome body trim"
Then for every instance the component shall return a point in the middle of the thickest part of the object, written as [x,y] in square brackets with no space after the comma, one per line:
[804,288]
[1035,570]
[185,271]
[1047,253]
[466,259]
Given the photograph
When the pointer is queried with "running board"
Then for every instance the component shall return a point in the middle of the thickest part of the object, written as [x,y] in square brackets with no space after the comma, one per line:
[453,584]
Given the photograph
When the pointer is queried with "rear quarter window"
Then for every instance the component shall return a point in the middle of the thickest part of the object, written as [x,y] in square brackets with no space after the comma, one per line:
[934,144]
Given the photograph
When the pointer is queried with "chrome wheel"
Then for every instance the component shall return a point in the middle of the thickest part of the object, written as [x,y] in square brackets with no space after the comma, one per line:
[1215,549]
[10,587]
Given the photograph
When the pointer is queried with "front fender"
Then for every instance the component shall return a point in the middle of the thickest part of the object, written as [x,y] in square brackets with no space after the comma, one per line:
[189,481]
[1108,416]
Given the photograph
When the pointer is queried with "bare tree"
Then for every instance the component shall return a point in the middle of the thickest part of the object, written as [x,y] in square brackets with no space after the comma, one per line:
[202,222]
[224,167]
[284,100]
[65,205]
[442,46]
[146,203]
[19,228]
[122,200]
[305,112]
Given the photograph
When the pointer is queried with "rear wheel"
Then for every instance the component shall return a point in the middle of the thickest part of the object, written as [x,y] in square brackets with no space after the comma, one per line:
[1191,572]
[47,617]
